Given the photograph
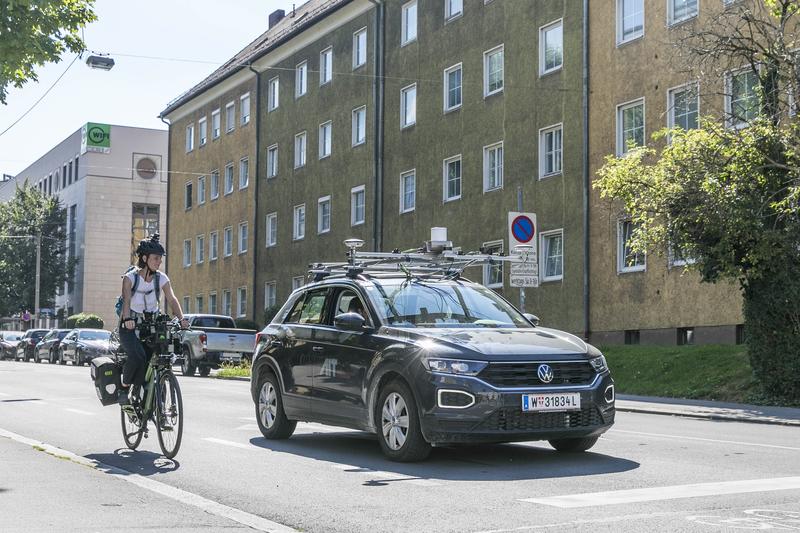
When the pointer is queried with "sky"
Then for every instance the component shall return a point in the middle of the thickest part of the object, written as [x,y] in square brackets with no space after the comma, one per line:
[163,33]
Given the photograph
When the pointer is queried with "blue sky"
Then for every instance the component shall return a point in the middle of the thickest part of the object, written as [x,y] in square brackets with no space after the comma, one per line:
[137,89]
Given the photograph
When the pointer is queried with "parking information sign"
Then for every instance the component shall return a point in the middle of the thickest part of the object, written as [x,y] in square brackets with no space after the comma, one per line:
[522,229]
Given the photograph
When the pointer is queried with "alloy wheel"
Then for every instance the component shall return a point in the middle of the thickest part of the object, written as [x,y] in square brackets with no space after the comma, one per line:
[394,421]
[268,404]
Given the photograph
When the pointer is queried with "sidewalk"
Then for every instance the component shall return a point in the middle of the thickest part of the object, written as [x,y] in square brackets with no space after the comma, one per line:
[737,412]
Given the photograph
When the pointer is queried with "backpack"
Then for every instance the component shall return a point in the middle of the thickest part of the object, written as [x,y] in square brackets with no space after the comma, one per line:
[156,283]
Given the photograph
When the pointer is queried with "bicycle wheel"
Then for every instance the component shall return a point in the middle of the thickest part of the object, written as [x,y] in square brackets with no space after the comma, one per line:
[169,414]
[132,429]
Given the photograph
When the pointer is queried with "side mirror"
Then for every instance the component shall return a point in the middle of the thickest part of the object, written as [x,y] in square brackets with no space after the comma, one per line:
[532,318]
[349,321]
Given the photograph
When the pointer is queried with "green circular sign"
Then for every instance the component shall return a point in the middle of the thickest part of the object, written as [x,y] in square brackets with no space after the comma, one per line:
[96,135]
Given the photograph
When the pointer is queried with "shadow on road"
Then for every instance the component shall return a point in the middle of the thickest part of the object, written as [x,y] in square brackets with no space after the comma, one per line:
[488,462]
[142,462]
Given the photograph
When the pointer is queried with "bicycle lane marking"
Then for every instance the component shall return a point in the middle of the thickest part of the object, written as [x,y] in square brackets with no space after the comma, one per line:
[254,521]
[701,439]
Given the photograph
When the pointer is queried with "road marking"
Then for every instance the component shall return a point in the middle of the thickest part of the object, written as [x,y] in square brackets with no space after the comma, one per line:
[254,521]
[696,490]
[247,427]
[231,443]
[78,411]
[573,523]
[391,476]
[4,394]
[775,446]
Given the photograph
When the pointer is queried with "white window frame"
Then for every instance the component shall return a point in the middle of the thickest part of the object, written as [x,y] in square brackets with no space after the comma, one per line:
[621,39]
[200,249]
[190,137]
[243,236]
[486,55]
[325,139]
[271,225]
[543,173]
[270,294]
[326,66]
[198,303]
[543,70]
[227,241]
[212,194]
[228,179]
[320,217]
[673,260]
[241,302]
[272,161]
[354,192]
[187,308]
[446,176]
[406,111]
[447,88]
[621,267]
[244,104]
[187,253]
[403,207]
[301,79]
[201,190]
[621,108]
[300,148]
[188,192]
[216,124]
[298,229]
[357,112]
[230,116]
[202,126]
[672,21]
[498,267]
[226,302]
[212,307]
[244,172]
[486,151]
[297,282]
[543,238]
[405,35]
[728,97]
[273,93]
[213,246]
[359,50]
[691,88]
[450,13]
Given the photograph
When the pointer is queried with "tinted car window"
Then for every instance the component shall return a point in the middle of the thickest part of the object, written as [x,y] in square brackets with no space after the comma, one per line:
[349,302]
[313,306]
[213,322]
[95,335]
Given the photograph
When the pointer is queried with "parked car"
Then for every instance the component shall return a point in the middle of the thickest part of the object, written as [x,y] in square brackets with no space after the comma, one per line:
[26,349]
[48,346]
[8,343]
[430,361]
[82,345]
[212,340]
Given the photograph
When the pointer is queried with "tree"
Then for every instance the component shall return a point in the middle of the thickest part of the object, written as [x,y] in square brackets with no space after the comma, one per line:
[27,215]
[728,196]
[35,32]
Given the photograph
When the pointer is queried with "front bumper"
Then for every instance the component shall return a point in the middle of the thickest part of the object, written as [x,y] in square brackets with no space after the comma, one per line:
[496,414]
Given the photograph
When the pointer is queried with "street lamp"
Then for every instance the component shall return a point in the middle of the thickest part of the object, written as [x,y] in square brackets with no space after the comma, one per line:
[100,62]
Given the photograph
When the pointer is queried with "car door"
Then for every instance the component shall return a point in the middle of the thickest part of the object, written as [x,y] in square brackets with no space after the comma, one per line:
[68,345]
[21,345]
[43,348]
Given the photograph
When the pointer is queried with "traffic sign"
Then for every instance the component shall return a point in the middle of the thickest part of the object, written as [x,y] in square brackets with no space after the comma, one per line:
[522,231]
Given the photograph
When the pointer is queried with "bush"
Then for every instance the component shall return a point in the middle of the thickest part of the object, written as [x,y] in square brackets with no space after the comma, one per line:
[247,324]
[85,320]
[71,320]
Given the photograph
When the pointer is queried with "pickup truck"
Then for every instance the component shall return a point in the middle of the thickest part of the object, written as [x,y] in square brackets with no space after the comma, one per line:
[212,340]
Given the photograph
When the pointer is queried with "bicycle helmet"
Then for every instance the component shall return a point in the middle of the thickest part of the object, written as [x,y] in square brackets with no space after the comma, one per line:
[150,246]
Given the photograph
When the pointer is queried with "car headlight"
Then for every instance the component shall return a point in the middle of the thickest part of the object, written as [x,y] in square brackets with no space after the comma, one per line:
[599,363]
[455,366]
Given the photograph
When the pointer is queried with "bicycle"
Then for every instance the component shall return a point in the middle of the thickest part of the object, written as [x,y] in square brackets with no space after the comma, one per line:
[161,400]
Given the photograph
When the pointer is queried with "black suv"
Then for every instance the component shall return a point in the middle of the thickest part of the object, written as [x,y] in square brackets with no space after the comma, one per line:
[426,360]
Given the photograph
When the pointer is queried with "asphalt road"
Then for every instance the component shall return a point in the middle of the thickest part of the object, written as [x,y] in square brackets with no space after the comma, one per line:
[650,472]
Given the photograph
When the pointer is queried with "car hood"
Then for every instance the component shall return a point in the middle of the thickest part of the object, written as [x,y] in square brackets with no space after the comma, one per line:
[514,343]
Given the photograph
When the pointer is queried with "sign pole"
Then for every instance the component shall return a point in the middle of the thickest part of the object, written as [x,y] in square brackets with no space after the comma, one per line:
[521,289]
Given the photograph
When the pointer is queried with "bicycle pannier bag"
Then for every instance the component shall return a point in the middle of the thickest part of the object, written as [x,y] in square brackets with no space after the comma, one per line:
[106,377]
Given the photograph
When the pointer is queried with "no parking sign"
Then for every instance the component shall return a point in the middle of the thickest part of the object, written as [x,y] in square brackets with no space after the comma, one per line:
[522,230]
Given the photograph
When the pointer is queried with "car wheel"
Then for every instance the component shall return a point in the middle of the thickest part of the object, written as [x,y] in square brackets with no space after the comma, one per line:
[397,419]
[187,367]
[270,416]
[573,445]
[204,371]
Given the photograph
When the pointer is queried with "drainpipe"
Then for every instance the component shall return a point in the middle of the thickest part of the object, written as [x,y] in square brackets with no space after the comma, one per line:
[169,159]
[257,181]
[586,181]
[378,89]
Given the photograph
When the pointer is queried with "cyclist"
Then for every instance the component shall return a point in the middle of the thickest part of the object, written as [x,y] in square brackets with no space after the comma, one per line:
[134,307]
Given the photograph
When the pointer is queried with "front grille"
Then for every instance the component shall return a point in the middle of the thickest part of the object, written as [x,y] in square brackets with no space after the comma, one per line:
[509,419]
[525,374]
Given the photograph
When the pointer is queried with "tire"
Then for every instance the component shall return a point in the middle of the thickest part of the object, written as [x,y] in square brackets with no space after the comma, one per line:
[187,366]
[397,419]
[573,445]
[61,357]
[131,431]
[270,415]
[205,371]
[169,415]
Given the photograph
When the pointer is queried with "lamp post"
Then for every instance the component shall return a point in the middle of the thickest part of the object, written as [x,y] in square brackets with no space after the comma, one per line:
[38,238]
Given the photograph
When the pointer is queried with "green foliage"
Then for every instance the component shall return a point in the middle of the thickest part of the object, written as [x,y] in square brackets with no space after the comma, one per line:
[72,319]
[35,32]
[85,320]
[230,370]
[29,214]
[247,324]
[270,312]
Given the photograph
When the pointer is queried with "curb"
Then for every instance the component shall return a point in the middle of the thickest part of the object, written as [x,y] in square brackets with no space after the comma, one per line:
[711,416]
[232,378]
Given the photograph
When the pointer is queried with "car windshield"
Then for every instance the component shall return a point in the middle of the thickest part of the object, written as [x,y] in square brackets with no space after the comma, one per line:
[95,335]
[419,303]
[12,336]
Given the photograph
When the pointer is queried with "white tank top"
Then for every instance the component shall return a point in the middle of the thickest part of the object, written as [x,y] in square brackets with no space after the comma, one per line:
[144,299]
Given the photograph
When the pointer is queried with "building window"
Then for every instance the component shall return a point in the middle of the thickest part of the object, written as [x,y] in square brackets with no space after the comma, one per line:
[200,252]
[297,282]
[244,173]
[551,47]
[360,48]
[213,239]
[226,302]
[144,224]
[190,137]
[212,303]
[324,214]
[299,222]
[627,259]
[230,117]
[244,105]
[408,191]
[493,167]
[684,106]
[325,139]
[187,252]
[678,257]
[186,307]
[272,229]
[408,106]
[198,303]
[215,124]
[325,66]
[187,197]
[493,274]
[227,241]
[493,71]
[552,254]
[631,336]
[214,184]
[741,98]
[680,10]
[229,178]
[452,178]
[630,126]
[452,88]
[272,161]
[685,336]
[550,150]
[408,30]
[270,294]
[242,237]
[300,150]
[630,20]
[203,131]
[301,79]
[359,125]
[201,190]
[357,205]
[272,94]
[241,298]
[453,8]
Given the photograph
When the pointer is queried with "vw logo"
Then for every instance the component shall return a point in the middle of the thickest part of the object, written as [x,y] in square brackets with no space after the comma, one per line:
[545,373]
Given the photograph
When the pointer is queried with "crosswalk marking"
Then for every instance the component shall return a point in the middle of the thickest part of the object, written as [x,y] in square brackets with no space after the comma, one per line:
[78,411]
[758,444]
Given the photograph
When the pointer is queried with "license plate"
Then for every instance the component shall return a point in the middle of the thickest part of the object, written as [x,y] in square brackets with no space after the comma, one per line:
[570,401]
[231,355]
